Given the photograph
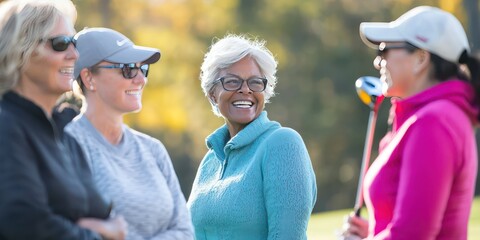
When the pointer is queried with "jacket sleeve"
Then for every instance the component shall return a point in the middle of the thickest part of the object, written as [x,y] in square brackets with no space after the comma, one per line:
[180,227]
[24,210]
[426,176]
[289,185]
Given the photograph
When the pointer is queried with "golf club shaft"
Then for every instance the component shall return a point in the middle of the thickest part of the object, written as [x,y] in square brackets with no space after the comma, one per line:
[372,119]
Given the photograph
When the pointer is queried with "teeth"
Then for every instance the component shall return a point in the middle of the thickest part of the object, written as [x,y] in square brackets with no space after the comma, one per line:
[133,92]
[243,104]
[66,71]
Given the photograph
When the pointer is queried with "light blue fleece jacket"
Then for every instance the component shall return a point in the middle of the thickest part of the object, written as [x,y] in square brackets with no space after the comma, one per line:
[257,185]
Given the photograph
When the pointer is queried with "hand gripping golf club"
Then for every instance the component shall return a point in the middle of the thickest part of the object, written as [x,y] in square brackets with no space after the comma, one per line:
[369,90]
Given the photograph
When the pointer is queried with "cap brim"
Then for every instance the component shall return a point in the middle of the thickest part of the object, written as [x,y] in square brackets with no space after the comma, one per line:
[373,33]
[135,54]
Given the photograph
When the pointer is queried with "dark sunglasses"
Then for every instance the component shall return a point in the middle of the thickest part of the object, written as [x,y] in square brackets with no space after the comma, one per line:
[61,43]
[129,70]
[383,48]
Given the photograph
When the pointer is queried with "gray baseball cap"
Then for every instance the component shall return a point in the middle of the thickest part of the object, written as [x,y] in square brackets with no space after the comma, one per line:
[103,44]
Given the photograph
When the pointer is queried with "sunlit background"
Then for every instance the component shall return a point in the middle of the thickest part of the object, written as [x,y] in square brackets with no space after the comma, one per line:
[320,56]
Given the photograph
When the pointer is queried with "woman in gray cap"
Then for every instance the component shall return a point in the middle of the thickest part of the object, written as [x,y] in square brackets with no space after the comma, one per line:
[129,167]
[422,183]
[46,189]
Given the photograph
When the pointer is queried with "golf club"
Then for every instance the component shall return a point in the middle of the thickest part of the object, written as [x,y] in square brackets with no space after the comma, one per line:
[369,90]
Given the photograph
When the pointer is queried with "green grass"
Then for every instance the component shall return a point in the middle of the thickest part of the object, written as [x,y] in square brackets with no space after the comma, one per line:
[324,225]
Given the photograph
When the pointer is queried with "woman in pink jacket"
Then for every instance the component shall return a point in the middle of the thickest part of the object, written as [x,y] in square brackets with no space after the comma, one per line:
[422,183]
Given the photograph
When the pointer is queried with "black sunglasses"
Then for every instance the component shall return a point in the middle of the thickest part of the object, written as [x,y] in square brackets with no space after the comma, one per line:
[129,70]
[383,48]
[61,43]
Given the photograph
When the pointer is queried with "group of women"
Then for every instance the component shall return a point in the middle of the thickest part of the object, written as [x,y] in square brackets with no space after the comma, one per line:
[93,177]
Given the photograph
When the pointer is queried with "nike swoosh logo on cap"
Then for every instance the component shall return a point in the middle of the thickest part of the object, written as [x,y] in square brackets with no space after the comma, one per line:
[121,43]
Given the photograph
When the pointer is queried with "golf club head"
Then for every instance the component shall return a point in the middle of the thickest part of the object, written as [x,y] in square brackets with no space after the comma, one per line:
[369,90]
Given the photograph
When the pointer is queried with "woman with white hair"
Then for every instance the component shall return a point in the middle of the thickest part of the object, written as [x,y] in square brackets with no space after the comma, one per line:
[46,189]
[256,180]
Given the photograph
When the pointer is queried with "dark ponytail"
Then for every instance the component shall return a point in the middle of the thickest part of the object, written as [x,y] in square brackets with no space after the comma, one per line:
[444,70]
[473,65]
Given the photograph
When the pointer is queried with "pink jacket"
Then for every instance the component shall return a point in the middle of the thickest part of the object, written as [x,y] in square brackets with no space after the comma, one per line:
[422,183]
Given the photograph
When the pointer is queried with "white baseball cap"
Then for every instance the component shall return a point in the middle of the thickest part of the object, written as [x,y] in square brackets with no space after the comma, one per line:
[425,27]
[103,44]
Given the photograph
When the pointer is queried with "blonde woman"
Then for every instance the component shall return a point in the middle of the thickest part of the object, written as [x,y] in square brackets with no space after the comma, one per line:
[129,167]
[45,185]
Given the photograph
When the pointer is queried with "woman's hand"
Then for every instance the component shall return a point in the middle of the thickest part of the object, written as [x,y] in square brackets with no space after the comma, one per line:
[111,229]
[354,228]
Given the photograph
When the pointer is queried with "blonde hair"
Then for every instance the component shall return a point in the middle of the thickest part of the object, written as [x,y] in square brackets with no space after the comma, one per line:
[231,49]
[23,25]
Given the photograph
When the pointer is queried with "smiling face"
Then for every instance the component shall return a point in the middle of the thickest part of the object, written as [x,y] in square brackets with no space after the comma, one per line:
[113,93]
[49,73]
[240,107]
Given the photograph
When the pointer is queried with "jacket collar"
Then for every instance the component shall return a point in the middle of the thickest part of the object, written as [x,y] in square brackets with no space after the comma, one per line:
[60,117]
[459,92]
[13,99]
[221,143]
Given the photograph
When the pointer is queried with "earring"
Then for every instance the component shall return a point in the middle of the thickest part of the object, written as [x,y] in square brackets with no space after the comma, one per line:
[91,88]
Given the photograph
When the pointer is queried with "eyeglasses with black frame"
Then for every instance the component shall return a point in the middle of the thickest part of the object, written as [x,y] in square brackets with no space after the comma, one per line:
[129,70]
[234,83]
[61,43]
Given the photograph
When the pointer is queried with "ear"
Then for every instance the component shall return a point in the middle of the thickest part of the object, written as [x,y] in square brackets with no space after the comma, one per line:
[212,98]
[35,53]
[422,61]
[87,79]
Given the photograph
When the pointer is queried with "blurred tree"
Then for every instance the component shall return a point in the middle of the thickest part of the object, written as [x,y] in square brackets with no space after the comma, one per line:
[320,55]
[472,9]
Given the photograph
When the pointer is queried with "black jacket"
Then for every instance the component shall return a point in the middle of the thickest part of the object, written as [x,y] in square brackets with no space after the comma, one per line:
[45,183]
